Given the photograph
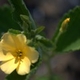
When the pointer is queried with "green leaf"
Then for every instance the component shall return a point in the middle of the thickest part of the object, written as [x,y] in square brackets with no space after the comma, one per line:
[69,39]
[33,33]
[39,30]
[6,21]
[20,9]
[46,42]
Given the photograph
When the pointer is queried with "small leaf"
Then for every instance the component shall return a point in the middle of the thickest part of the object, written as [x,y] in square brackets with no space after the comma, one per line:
[39,29]
[26,25]
[25,18]
[48,43]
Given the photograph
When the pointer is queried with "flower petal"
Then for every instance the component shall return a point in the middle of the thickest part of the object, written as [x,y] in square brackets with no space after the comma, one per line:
[19,40]
[22,38]
[9,66]
[4,57]
[12,41]
[7,42]
[24,66]
[31,53]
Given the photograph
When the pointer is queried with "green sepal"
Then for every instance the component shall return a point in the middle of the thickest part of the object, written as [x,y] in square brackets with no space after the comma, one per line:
[14,31]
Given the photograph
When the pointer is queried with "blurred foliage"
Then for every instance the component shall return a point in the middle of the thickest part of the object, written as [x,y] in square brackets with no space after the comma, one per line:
[54,77]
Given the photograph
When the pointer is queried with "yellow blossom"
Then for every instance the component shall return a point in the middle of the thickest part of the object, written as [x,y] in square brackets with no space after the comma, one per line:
[16,54]
[64,24]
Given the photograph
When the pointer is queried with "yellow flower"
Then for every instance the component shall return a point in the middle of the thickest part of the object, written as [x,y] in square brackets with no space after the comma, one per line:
[16,54]
[64,25]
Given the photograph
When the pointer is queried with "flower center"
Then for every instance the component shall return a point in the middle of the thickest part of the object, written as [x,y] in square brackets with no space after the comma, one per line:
[19,54]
